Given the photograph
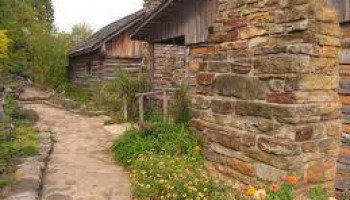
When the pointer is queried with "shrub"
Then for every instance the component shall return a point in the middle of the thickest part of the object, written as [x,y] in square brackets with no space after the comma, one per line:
[181,106]
[166,139]
[111,94]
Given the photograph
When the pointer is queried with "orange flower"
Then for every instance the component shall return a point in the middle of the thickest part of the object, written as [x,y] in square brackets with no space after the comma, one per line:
[274,187]
[292,179]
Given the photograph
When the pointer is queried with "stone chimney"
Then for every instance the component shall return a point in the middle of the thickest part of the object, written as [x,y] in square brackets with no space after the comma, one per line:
[150,5]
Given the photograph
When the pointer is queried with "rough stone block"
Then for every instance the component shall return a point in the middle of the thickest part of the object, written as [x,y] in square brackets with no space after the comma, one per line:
[250,32]
[223,106]
[205,78]
[281,97]
[317,82]
[281,64]
[281,147]
[219,67]
[240,87]
[320,171]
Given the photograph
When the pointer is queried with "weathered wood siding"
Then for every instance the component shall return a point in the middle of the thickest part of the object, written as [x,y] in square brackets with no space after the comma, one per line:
[123,47]
[93,69]
[343,177]
[191,21]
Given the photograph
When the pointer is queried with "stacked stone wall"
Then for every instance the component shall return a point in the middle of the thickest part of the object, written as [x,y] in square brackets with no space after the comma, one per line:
[266,100]
[169,66]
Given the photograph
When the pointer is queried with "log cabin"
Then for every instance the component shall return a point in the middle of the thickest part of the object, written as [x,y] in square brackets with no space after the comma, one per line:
[250,64]
[97,59]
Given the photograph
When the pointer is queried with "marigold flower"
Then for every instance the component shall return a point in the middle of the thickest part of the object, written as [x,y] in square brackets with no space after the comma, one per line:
[260,194]
[274,187]
[292,179]
[250,191]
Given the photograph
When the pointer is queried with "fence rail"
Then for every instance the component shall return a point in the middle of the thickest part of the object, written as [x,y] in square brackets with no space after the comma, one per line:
[141,97]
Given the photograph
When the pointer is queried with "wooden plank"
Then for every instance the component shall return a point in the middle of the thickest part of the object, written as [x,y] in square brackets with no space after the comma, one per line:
[141,112]
[148,94]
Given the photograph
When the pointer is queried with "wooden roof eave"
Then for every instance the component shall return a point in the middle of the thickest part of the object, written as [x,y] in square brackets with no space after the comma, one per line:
[99,45]
[141,33]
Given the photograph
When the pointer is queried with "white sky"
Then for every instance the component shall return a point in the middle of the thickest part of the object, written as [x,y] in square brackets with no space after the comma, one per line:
[97,13]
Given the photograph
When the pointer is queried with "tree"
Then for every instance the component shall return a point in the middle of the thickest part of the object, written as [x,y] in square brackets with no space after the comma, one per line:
[80,32]
[44,10]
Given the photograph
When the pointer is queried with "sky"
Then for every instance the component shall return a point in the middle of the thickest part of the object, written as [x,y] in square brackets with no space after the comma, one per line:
[97,13]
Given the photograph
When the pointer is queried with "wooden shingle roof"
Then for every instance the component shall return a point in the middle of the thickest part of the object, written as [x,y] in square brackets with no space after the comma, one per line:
[96,40]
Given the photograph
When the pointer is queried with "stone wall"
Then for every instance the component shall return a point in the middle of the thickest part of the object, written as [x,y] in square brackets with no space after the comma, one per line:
[266,101]
[343,172]
[169,66]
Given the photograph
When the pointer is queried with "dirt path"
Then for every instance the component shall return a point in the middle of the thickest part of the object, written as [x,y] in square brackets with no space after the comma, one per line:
[81,167]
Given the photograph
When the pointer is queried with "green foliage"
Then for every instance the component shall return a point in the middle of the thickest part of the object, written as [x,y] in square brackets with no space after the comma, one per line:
[318,193]
[166,163]
[110,96]
[80,32]
[4,44]
[157,176]
[285,192]
[4,182]
[181,106]
[73,92]
[18,138]
[166,139]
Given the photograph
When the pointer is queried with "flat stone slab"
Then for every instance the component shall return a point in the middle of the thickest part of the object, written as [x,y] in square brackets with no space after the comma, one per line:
[80,166]
[33,94]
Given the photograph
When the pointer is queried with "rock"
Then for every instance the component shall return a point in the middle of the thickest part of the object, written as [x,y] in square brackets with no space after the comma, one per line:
[244,168]
[223,106]
[266,172]
[316,82]
[320,171]
[248,88]
[200,102]
[281,97]
[205,78]
[250,32]
[309,147]
[219,67]
[282,63]
[304,134]
[281,147]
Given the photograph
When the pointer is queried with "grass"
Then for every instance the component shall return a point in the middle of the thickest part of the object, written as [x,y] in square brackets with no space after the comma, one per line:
[5,182]
[165,139]
[18,138]
[166,163]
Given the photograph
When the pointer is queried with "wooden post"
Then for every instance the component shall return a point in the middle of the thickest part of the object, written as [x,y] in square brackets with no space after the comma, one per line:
[125,108]
[165,106]
[151,70]
[2,99]
[141,116]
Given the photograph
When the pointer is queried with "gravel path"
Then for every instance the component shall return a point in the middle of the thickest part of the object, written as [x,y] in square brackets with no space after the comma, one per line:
[81,167]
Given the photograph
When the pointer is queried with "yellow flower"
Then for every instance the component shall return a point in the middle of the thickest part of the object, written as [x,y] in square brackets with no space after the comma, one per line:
[250,191]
